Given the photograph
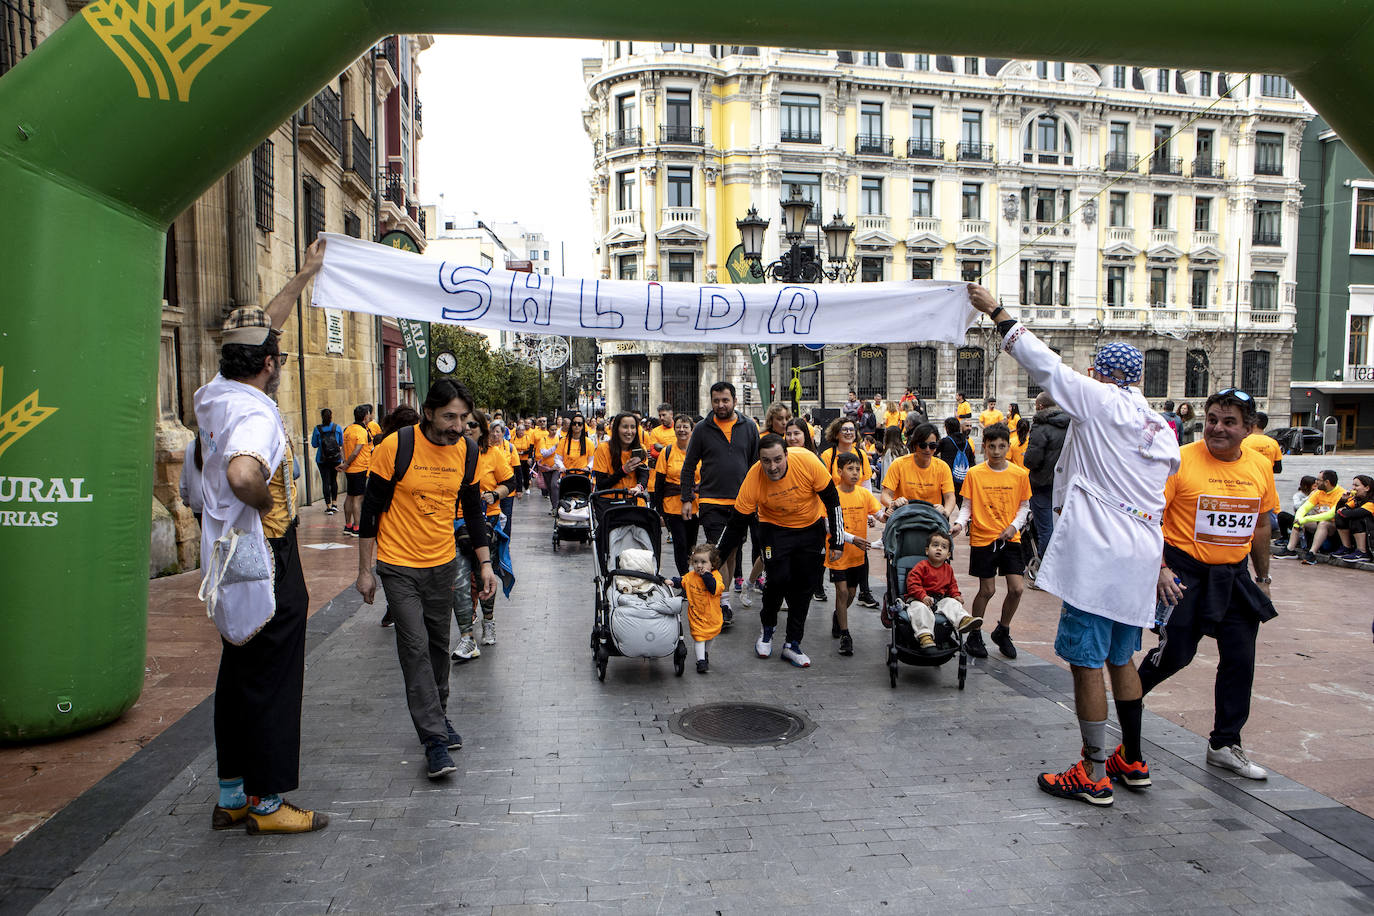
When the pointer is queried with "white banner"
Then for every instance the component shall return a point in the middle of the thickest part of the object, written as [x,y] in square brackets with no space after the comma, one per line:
[361,276]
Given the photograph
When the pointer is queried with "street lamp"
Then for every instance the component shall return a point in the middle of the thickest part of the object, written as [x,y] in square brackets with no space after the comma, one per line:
[798,264]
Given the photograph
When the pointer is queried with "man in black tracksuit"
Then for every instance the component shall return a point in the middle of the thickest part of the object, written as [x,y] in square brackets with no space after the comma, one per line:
[725,446]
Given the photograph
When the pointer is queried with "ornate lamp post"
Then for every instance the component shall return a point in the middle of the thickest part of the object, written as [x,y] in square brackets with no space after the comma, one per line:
[798,263]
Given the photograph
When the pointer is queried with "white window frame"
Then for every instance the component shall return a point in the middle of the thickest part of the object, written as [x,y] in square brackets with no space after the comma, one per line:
[1356,186]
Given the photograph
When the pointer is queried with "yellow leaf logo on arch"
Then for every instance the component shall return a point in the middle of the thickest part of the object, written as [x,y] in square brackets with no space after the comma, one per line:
[20,419]
[166,43]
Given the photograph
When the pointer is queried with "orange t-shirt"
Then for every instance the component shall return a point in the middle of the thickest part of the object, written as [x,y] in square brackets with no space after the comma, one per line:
[493,467]
[856,506]
[601,464]
[661,438]
[417,530]
[703,608]
[670,464]
[522,443]
[725,427]
[354,435]
[994,496]
[893,418]
[1265,445]
[1017,453]
[573,455]
[1212,506]
[909,480]
[792,502]
[990,417]
[831,462]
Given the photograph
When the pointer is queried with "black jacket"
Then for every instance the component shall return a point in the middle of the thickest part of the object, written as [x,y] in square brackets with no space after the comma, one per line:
[1043,448]
[723,464]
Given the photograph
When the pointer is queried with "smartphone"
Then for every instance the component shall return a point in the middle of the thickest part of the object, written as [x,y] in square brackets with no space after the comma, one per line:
[637,452]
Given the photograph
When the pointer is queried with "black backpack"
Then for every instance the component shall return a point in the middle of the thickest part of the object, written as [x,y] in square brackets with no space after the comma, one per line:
[405,451]
[331,449]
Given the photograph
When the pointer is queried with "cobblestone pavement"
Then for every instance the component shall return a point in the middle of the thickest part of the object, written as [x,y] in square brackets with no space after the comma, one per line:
[573,796]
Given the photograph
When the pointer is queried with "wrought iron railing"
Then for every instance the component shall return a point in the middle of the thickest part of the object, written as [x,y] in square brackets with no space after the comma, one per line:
[389,52]
[680,133]
[1166,165]
[393,188]
[872,145]
[974,152]
[325,114]
[1118,162]
[925,148]
[800,135]
[18,31]
[1266,238]
[359,152]
[619,139]
[1207,167]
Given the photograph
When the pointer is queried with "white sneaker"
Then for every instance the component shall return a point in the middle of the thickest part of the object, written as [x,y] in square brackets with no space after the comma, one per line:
[764,647]
[488,632]
[745,598]
[1233,758]
[791,652]
[467,649]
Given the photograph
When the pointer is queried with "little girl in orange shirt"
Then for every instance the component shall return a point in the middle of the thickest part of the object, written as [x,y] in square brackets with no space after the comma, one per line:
[703,587]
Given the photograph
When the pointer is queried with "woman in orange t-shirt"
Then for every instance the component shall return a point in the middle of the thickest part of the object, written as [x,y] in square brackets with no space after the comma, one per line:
[620,463]
[667,497]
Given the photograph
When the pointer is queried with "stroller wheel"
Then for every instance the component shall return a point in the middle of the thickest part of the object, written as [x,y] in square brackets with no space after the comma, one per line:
[555,542]
[680,660]
[963,666]
[601,657]
[892,673]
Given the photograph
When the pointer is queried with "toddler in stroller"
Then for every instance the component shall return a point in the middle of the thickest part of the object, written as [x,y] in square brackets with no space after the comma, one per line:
[931,587]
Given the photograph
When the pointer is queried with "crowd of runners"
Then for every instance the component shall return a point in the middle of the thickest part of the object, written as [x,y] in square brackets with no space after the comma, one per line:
[1129,527]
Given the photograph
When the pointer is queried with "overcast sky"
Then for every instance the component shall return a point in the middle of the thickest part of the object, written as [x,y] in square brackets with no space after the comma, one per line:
[503,137]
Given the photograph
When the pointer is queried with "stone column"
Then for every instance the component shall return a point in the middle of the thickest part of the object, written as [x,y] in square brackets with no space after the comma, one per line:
[612,386]
[655,382]
[708,375]
[649,209]
[708,221]
[243,247]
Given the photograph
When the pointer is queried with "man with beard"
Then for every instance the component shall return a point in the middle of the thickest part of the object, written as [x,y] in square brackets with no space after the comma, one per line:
[247,486]
[796,500]
[724,445]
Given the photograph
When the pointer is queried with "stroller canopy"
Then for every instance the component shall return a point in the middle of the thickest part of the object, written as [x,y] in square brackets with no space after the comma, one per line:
[910,527]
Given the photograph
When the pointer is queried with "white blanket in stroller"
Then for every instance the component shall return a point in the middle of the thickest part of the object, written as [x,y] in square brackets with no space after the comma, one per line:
[638,560]
[645,625]
[574,512]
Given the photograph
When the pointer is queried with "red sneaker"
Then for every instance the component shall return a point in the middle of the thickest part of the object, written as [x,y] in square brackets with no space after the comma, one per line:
[1132,775]
[1074,783]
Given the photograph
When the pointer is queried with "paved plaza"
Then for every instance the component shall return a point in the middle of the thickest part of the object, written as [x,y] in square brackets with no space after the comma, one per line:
[573,796]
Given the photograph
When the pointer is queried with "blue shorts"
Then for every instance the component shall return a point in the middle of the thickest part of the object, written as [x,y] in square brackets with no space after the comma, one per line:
[1086,640]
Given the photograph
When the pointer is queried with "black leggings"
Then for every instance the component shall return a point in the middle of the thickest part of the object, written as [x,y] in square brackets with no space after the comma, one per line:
[794,559]
[329,483]
[684,538]
[1354,520]
[1286,520]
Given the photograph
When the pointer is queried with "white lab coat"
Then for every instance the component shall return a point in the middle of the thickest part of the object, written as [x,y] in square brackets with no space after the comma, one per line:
[1109,480]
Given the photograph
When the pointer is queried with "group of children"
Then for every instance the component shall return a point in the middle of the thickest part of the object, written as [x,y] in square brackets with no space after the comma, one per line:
[995,503]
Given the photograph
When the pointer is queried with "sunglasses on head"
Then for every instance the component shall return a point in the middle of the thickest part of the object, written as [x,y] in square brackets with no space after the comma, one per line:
[1237,393]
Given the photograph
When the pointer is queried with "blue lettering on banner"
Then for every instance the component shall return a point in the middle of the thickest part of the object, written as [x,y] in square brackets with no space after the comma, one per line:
[653,307]
[534,286]
[715,305]
[464,282]
[799,303]
[596,316]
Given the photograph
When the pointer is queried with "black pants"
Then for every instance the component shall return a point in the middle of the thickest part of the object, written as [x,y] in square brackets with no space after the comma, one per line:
[1235,634]
[684,538]
[794,561]
[1354,520]
[258,691]
[329,483]
[1286,520]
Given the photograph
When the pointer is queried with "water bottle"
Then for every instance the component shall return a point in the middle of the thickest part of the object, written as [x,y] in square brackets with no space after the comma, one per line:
[1163,609]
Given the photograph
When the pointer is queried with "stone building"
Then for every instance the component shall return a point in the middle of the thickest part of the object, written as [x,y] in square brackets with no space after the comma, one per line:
[344,163]
[1105,202]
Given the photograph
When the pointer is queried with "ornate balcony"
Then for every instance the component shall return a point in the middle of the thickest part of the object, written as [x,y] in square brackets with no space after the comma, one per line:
[321,125]
[358,159]
[621,139]
[1207,167]
[1166,165]
[872,145]
[680,133]
[1118,162]
[974,152]
[800,135]
[925,148]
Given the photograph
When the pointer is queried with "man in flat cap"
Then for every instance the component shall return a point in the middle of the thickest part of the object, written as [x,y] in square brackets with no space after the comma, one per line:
[1103,561]
[259,607]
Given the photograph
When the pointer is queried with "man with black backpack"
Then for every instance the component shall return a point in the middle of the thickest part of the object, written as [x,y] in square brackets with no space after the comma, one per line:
[327,441]
[417,479]
[958,454]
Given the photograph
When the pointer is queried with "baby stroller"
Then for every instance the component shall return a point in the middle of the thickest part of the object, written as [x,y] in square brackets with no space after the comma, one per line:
[637,614]
[573,519]
[904,545]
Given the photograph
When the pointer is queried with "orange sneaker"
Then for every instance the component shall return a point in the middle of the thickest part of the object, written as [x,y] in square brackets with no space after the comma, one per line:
[1074,783]
[287,819]
[1132,775]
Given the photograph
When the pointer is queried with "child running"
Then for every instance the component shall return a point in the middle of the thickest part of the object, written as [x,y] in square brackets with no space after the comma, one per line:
[857,504]
[931,587]
[996,503]
[703,587]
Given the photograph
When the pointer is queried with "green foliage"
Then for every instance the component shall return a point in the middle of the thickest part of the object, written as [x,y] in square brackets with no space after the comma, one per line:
[494,379]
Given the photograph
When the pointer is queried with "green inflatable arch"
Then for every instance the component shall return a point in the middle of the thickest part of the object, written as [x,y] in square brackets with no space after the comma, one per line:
[119,121]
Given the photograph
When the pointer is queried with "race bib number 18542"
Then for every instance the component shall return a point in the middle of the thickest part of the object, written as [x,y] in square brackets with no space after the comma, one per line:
[1226,521]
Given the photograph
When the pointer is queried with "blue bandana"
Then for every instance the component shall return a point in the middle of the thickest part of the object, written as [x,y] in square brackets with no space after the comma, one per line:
[1123,358]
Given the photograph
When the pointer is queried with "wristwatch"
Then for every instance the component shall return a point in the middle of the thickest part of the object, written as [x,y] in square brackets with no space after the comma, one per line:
[1264,580]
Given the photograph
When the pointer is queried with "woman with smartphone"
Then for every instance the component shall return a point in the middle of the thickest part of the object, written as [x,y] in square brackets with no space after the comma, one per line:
[620,463]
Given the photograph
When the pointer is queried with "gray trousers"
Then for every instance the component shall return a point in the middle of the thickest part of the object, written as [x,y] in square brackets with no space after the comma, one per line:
[421,602]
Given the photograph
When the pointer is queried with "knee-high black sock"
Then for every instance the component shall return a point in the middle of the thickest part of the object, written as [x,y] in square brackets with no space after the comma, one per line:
[1128,713]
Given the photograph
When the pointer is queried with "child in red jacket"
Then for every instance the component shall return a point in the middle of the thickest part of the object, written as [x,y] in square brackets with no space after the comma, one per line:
[930,587]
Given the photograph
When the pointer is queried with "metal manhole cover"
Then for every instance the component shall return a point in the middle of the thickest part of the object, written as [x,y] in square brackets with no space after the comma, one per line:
[744,724]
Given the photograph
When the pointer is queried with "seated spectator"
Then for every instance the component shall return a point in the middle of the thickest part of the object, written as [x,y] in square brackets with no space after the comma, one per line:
[1286,519]
[1353,521]
[1320,507]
